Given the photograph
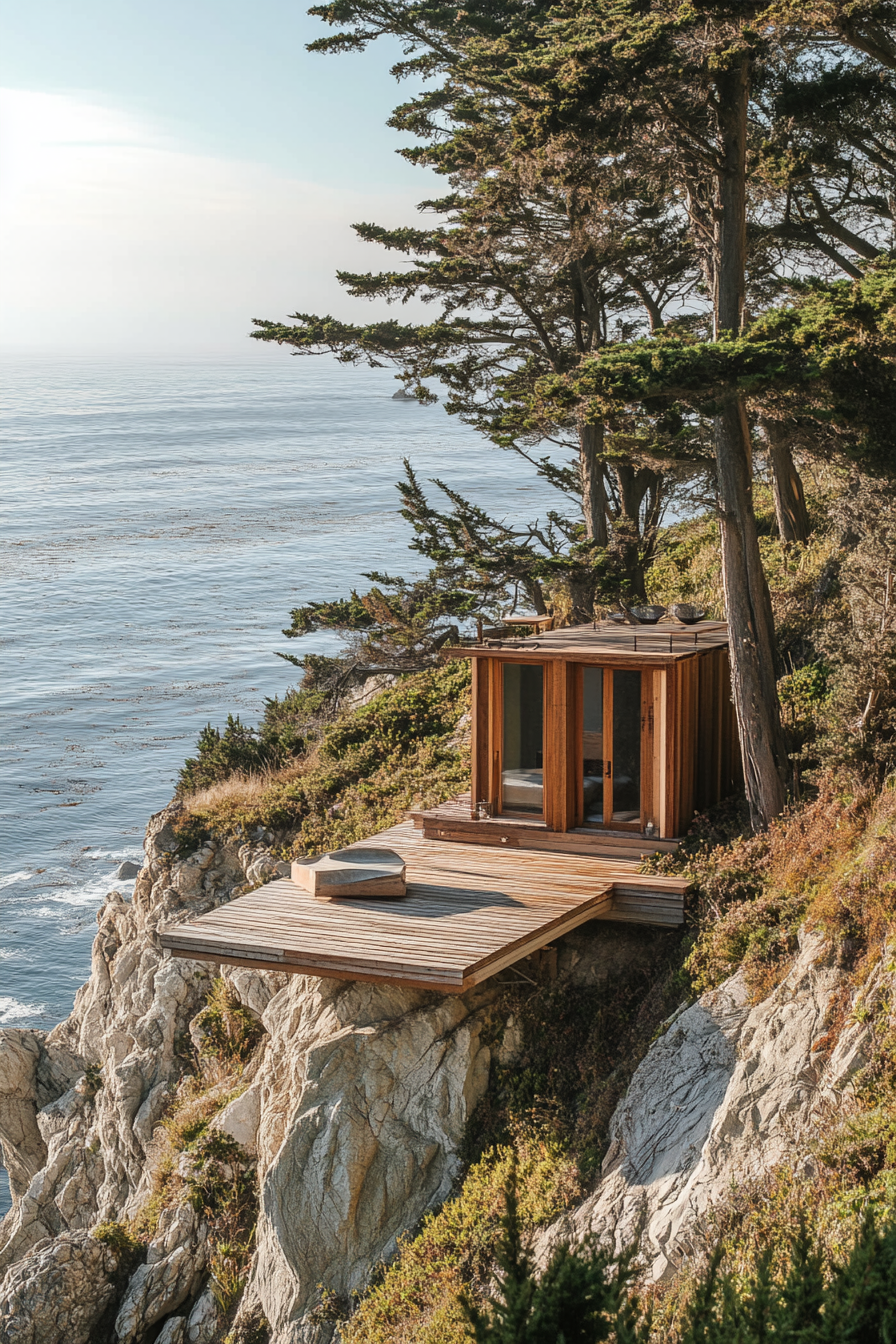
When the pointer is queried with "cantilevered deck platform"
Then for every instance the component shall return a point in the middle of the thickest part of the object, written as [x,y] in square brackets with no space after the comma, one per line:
[470,912]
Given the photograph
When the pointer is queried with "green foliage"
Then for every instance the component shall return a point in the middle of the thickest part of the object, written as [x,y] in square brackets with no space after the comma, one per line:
[365,770]
[254,1330]
[230,1032]
[859,644]
[220,1179]
[828,356]
[93,1078]
[802,1301]
[237,750]
[417,1300]
[120,1238]
[805,694]
[582,1297]
[329,1307]
[401,625]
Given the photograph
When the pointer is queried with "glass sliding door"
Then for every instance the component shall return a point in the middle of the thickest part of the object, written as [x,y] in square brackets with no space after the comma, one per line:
[611,747]
[626,755]
[522,755]
[593,744]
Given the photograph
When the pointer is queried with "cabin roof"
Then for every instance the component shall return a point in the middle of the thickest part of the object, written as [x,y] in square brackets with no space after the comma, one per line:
[605,641]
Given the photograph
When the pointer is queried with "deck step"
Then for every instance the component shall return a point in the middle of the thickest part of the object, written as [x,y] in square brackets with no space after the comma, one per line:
[631,847]
[451,822]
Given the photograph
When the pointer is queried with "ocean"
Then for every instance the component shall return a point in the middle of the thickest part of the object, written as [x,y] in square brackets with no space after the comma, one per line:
[161,516]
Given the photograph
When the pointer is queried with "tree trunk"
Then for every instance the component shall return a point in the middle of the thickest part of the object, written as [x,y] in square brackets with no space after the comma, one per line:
[790,500]
[749,609]
[630,528]
[746,591]
[594,495]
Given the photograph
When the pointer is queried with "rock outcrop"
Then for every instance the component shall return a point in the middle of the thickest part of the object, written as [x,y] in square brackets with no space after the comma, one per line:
[59,1291]
[354,1110]
[726,1094]
[351,1112]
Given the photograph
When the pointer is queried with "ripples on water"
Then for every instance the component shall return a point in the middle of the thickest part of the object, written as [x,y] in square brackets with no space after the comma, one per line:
[160,520]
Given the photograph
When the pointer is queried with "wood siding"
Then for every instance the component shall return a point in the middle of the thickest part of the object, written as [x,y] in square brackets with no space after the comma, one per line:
[698,740]
[479,745]
[690,758]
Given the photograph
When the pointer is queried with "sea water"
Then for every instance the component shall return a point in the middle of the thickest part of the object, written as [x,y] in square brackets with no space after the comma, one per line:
[161,517]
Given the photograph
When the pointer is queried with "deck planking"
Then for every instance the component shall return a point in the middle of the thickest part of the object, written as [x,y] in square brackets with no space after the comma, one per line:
[471,911]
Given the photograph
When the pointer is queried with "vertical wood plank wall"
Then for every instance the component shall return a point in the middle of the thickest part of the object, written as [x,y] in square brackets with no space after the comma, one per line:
[560,742]
[699,740]
[682,688]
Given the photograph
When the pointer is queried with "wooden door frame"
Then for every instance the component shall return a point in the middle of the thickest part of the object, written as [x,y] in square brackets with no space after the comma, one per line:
[647,747]
[563,707]
[496,736]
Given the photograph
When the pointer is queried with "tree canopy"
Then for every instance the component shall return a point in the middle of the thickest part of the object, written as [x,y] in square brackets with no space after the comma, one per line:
[652,207]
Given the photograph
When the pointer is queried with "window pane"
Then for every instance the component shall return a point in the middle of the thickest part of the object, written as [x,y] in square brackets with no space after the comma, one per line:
[522,778]
[593,743]
[626,746]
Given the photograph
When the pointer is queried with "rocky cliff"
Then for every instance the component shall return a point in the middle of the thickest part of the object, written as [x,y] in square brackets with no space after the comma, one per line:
[178,1180]
[351,1112]
[727,1094]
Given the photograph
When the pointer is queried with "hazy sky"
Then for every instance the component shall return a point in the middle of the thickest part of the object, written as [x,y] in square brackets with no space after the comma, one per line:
[169,171]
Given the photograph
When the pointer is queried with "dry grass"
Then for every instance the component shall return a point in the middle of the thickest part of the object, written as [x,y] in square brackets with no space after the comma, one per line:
[830,865]
[401,750]
[240,791]
[244,801]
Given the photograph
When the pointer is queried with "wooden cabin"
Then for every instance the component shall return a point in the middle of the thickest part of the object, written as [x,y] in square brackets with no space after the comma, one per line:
[592,747]
[601,729]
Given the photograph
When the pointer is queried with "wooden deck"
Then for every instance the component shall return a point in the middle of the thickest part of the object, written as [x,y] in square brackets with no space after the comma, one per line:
[470,911]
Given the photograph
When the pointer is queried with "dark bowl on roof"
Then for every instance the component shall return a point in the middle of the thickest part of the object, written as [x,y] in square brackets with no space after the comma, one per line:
[647,615]
[687,613]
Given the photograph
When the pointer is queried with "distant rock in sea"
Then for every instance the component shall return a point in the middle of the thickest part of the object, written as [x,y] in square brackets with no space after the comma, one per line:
[403,395]
[127,870]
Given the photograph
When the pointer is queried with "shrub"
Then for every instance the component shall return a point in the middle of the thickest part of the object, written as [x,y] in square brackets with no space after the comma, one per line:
[230,1031]
[238,750]
[583,1296]
[802,1301]
[360,775]
[785,1293]
[418,1297]
[121,1238]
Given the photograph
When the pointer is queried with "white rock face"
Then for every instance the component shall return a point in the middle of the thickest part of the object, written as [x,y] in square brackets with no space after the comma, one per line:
[203,1320]
[241,1118]
[360,1123]
[58,1292]
[725,1095]
[171,1276]
[354,1108]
